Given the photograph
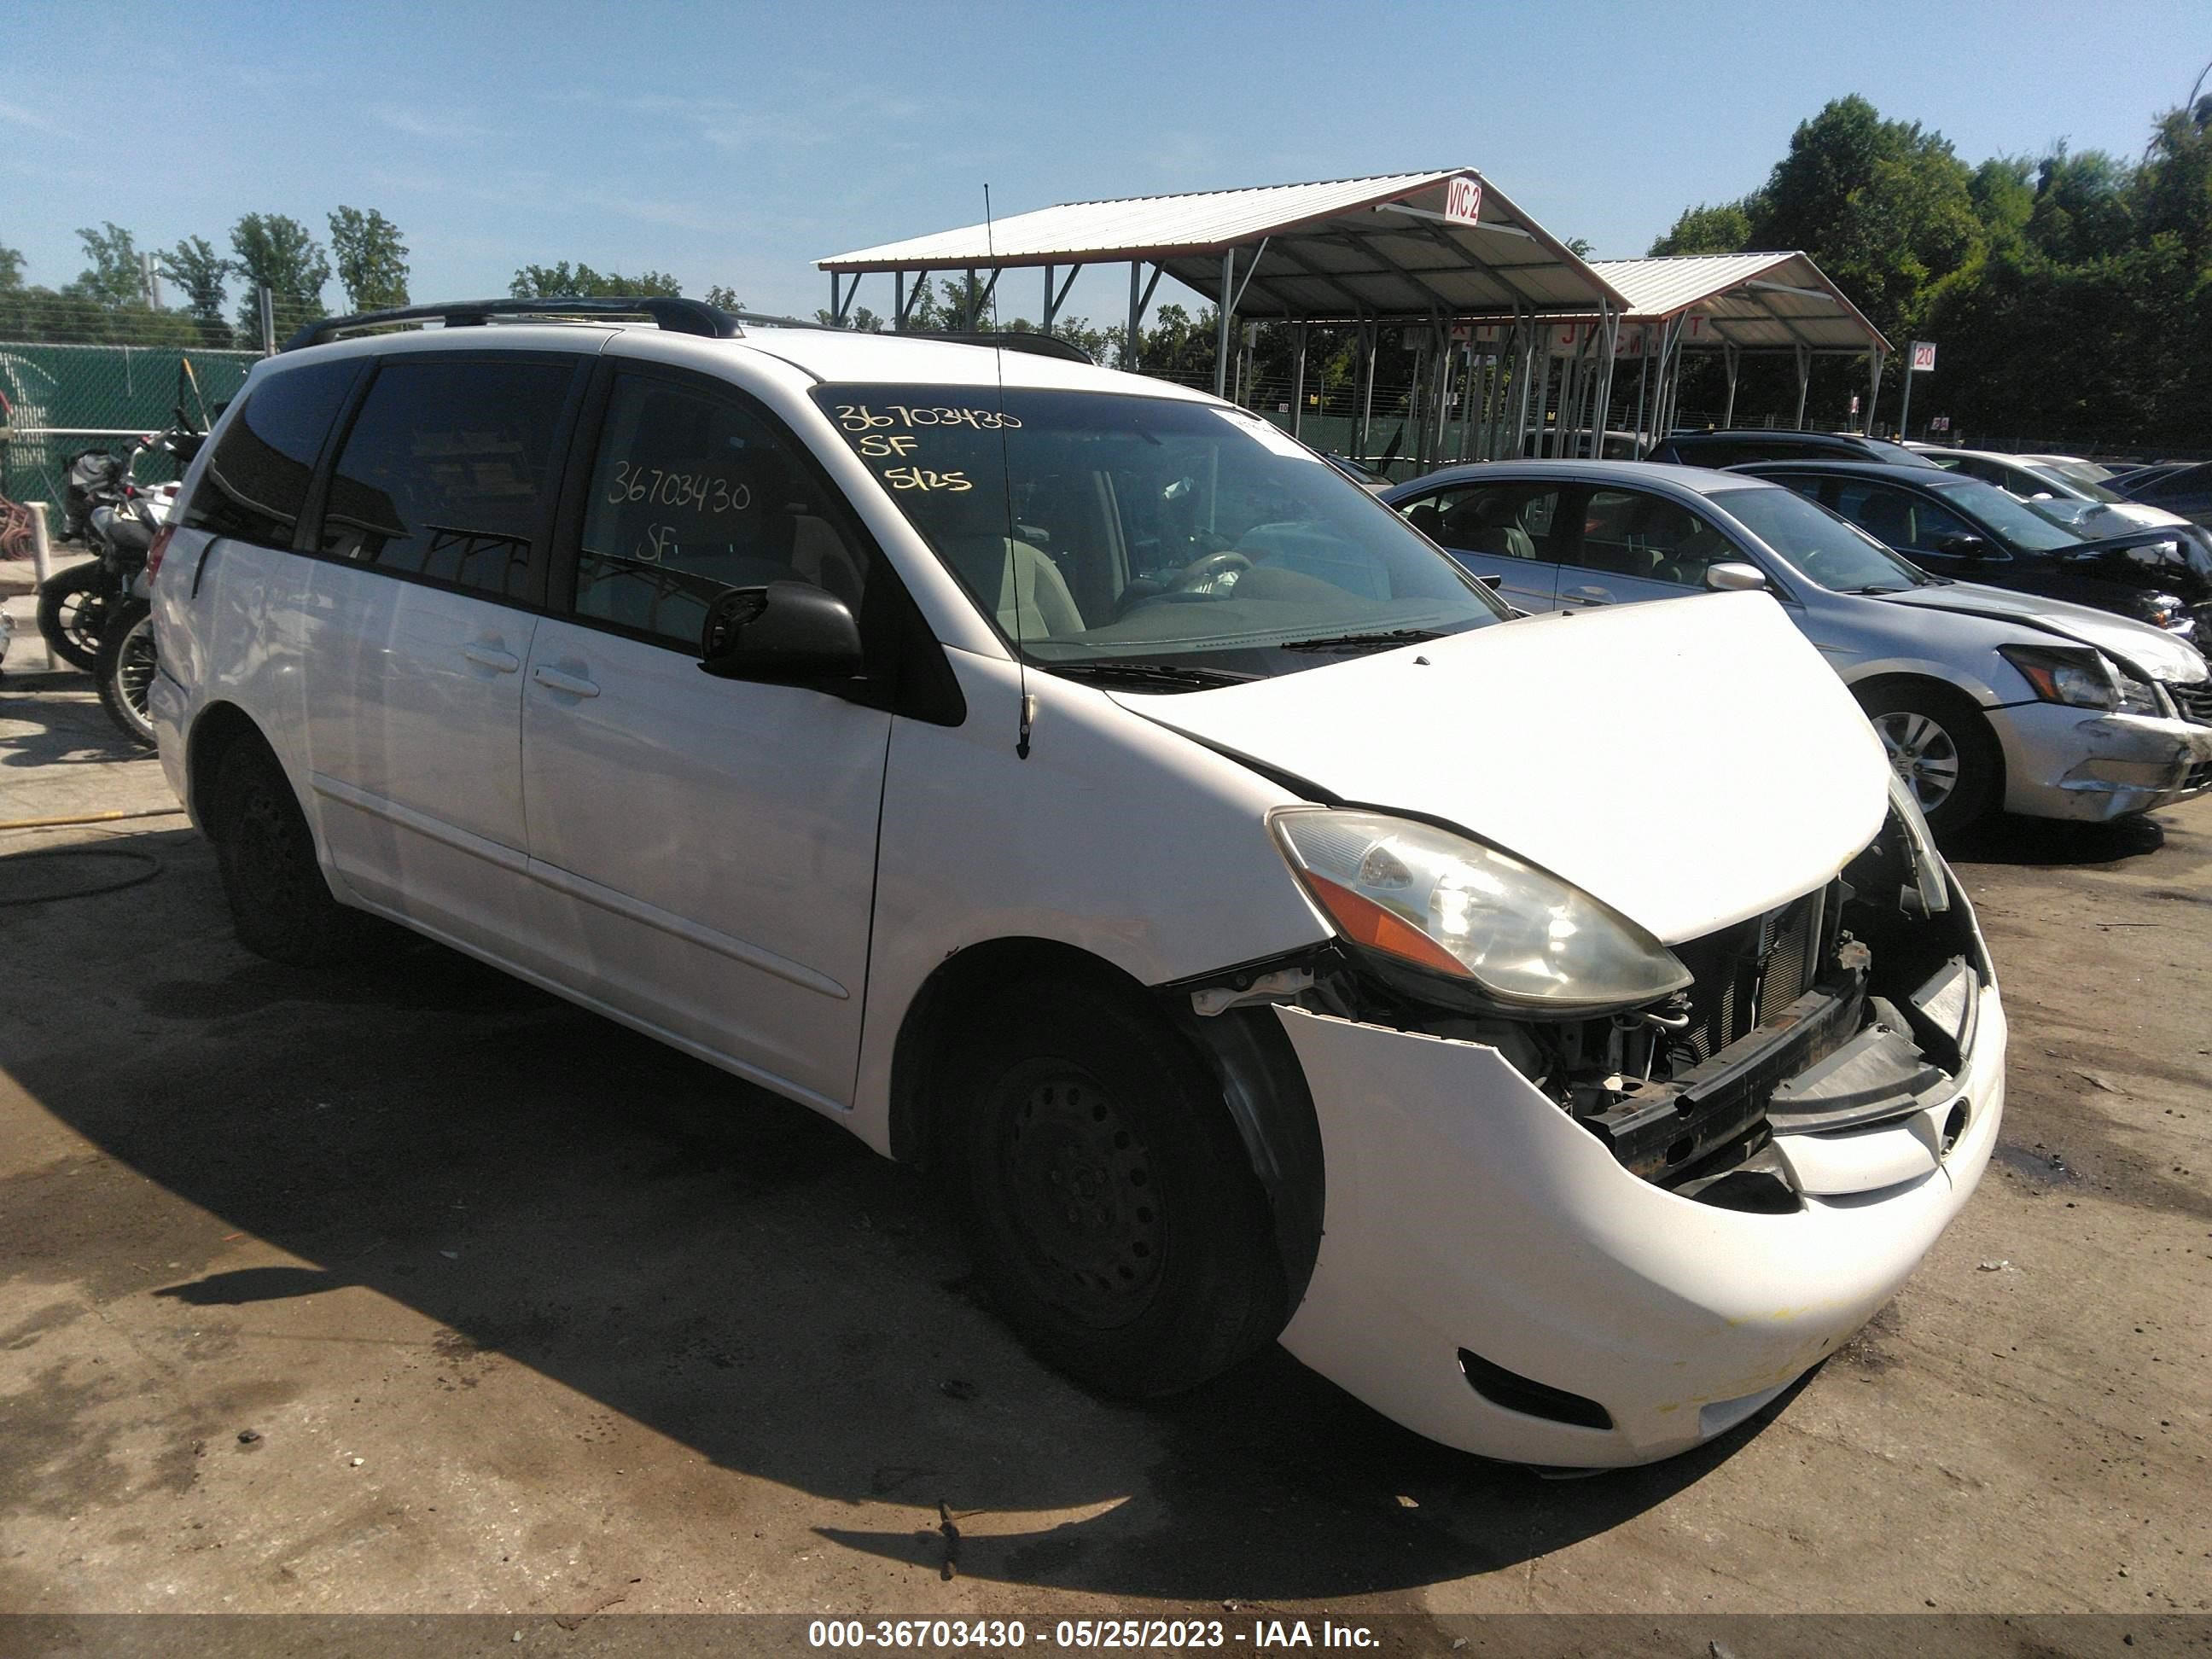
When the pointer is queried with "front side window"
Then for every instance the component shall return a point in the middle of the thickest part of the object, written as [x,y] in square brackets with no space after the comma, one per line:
[1903,519]
[1627,533]
[1097,527]
[694,493]
[448,470]
[256,482]
[1499,521]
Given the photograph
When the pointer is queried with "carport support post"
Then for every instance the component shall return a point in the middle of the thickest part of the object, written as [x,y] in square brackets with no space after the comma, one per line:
[1728,363]
[1873,386]
[1804,382]
[1298,382]
[1136,308]
[1367,344]
[1904,405]
[1221,322]
[1608,342]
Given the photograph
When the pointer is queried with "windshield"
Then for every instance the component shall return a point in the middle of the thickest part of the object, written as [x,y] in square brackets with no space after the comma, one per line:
[2018,525]
[1101,530]
[1829,551]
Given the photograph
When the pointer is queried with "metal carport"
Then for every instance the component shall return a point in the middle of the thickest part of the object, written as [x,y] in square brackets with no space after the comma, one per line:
[1410,250]
[1737,304]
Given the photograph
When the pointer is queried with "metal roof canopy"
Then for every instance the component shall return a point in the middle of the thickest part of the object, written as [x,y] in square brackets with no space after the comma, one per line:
[1390,250]
[1399,246]
[1737,304]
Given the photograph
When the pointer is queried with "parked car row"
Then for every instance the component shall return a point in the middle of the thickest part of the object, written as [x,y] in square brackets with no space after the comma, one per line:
[1981,697]
[1558,1029]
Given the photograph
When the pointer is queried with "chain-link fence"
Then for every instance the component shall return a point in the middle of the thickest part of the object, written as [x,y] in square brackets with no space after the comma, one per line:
[77,375]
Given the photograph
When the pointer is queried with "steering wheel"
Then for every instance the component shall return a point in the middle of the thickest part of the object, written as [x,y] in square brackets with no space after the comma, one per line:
[1200,572]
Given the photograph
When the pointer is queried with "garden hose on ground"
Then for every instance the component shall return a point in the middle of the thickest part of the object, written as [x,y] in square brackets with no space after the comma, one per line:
[88,818]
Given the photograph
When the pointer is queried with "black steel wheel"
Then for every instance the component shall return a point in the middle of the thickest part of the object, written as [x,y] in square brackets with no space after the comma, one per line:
[280,904]
[72,608]
[124,671]
[1112,1209]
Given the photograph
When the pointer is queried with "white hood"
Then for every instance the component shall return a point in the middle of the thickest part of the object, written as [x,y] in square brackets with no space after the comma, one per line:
[1691,763]
[2148,650]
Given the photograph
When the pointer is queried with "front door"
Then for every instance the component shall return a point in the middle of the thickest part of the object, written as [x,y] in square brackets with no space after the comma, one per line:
[705,847]
[1634,545]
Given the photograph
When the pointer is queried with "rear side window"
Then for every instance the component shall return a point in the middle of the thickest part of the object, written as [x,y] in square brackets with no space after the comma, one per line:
[446,474]
[1501,520]
[256,481]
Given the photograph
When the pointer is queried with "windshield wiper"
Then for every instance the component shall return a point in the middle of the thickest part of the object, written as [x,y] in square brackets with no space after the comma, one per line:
[1354,641]
[1876,587]
[1131,672]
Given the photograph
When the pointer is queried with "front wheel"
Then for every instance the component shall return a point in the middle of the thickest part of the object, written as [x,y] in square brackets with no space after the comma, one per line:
[124,671]
[1940,744]
[1110,1205]
[72,612]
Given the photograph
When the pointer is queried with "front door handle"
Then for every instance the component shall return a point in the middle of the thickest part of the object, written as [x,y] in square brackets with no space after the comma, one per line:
[491,657]
[573,685]
[1588,596]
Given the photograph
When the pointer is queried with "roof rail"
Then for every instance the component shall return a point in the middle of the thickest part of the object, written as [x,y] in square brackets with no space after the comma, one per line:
[1038,345]
[678,316]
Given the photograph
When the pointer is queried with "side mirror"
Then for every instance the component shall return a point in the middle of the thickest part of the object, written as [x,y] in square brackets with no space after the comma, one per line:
[784,634]
[1962,547]
[1495,580]
[1733,576]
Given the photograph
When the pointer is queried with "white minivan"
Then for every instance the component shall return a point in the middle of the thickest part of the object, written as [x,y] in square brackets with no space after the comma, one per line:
[1558,1030]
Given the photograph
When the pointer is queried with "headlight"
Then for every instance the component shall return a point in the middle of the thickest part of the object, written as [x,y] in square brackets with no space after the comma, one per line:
[2081,679]
[1424,897]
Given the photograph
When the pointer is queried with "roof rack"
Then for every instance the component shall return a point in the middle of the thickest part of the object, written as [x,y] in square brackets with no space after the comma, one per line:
[678,316]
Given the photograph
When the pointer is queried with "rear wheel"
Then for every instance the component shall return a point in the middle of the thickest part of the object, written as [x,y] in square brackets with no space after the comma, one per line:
[71,611]
[1940,744]
[280,903]
[124,671]
[1111,1207]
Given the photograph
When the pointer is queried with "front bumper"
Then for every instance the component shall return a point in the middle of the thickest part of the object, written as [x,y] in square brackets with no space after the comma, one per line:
[1464,1211]
[2062,763]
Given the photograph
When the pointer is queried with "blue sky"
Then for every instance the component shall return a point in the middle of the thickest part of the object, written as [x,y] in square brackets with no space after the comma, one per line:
[735,144]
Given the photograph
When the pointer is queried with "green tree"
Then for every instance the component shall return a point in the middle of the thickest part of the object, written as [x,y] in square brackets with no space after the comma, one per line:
[2083,205]
[203,276]
[11,268]
[371,260]
[1702,229]
[111,275]
[724,299]
[579,280]
[280,254]
[2174,187]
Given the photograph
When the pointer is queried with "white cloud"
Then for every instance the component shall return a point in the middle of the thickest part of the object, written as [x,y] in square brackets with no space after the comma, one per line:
[420,123]
[24,118]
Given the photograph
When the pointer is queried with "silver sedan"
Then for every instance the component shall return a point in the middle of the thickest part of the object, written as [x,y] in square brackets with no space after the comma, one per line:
[1983,698]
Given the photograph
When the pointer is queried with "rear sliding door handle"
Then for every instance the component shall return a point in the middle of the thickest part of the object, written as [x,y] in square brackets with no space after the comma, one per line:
[573,685]
[491,657]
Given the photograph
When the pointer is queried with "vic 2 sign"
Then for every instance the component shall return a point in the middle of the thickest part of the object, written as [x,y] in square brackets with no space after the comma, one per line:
[1463,199]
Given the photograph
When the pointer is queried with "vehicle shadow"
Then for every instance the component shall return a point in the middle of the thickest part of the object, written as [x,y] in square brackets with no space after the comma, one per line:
[2050,843]
[723,1267]
[41,724]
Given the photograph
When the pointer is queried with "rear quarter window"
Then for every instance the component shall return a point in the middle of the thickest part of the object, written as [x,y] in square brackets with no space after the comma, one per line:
[255,484]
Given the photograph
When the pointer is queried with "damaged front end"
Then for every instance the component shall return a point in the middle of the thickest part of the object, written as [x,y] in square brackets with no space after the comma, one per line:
[1812,1049]
[1593,1234]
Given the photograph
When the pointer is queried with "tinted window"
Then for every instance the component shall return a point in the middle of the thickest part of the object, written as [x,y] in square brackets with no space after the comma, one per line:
[1627,533]
[693,494]
[1821,546]
[1899,518]
[1501,520]
[446,472]
[256,481]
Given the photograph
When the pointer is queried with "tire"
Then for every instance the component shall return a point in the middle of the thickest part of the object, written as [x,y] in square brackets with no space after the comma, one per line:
[71,612]
[1938,742]
[124,671]
[280,904]
[1111,1209]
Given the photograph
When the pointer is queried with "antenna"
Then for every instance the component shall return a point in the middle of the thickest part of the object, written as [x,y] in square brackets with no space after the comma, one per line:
[1007,483]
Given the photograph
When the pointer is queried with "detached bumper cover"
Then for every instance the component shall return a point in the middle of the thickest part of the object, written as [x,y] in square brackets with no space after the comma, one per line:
[1467,1211]
[2062,763]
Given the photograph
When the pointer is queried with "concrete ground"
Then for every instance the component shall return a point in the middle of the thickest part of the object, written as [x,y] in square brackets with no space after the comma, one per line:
[408,1288]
